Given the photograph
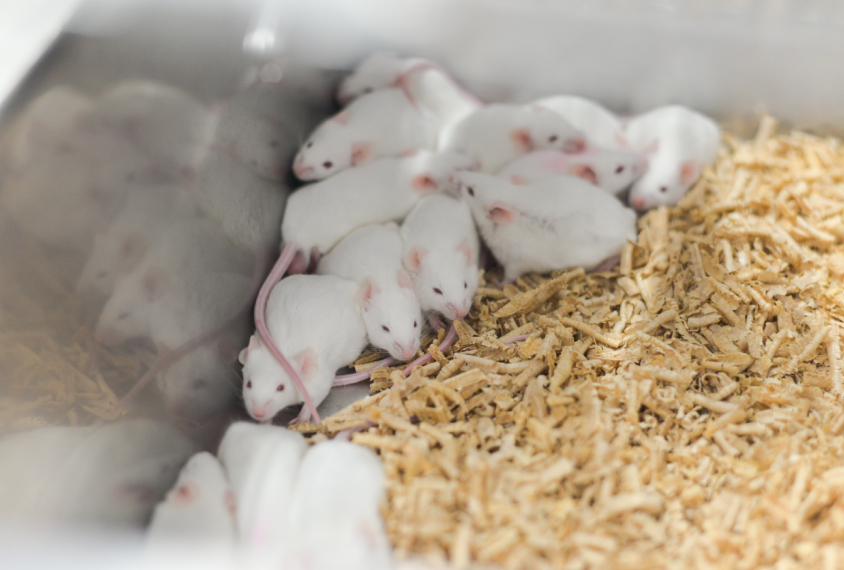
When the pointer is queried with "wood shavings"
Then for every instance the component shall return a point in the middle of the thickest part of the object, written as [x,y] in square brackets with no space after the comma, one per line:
[684,412]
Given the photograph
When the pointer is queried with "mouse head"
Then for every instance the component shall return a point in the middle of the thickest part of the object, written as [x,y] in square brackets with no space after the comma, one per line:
[378,71]
[332,147]
[391,315]
[539,128]
[201,383]
[113,257]
[665,182]
[267,388]
[125,315]
[258,142]
[431,171]
[446,279]
[488,197]
[612,170]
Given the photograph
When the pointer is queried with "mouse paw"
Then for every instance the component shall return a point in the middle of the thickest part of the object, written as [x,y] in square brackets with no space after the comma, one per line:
[303,417]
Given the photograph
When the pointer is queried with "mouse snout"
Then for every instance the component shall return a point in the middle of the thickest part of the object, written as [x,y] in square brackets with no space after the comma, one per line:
[456,312]
[574,145]
[407,351]
[639,204]
[258,412]
[300,169]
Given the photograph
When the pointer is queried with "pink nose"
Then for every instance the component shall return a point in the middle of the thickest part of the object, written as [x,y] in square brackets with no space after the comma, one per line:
[458,312]
[639,203]
[407,352]
[258,412]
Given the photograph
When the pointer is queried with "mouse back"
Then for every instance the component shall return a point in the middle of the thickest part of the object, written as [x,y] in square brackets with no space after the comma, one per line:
[601,127]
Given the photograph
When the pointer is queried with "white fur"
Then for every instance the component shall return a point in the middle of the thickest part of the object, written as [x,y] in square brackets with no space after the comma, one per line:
[613,170]
[373,254]
[488,134]
[601,127]
[437,227]
[309,316]
[379,71]
[385,120]
[556,224]
[321,214]
[679,135]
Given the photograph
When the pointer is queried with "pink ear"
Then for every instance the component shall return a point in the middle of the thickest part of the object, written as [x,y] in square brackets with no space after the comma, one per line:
[184,494]
[424,184]
[365,292]
[413,259]
[621,140]
[361,153]
[652,148]
[404,279]
[688,172]
[500,213]
[585,172]
[519,180]
[254,342]
[522,140]
[342,117]
[466,250]
[308,363]
[154,283]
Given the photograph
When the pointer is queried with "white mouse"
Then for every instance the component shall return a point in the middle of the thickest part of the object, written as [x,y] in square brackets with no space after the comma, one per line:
[601,127]
[164,122]
[498,134]
[371,256]
[247,206]
[336,502]
[262,462]
[315,321]
[551,225]
[180,255]
[678,143]
[381,124]
[380,70]
[120,248]
[441,250]
[609,169]
[200,507]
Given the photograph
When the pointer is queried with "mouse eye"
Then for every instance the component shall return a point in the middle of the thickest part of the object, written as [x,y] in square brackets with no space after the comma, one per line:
[122,316]
[619,170]
[386,328]
[273,144]
[309,145]
[199,384]
[327,164]
[249,384]
[465,285]
[552,138]
[280,388]
[470,190]
[438,291]
[414,324]
[663,189]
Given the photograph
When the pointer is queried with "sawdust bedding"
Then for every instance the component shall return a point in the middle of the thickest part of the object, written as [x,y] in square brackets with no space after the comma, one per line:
[682,411]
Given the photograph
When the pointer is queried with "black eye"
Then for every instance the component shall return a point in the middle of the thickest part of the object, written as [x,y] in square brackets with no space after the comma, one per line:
[280,388]
[470,190]
[414,324]
[387,329]
[465,285]
[273,144]
[619,170]
[122,316]
[663,189]
[199,384]
[249,384]
[309,145]
[327,164]
[552,138]
[437,291]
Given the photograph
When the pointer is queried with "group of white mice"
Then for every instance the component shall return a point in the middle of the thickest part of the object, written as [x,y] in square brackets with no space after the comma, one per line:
[537,180]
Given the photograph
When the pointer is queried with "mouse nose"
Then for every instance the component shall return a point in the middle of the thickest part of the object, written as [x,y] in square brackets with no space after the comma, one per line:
[639,204]
[407,352]
[456,312]
[258,412]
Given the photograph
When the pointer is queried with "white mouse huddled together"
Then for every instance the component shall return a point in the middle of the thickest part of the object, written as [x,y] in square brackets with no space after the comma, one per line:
[540,181]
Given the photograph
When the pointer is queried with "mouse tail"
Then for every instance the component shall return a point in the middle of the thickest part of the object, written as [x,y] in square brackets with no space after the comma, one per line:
[277,272]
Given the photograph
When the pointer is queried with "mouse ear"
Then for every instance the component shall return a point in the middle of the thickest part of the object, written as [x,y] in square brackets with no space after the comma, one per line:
[424,184]
[404,279]
[308,362]
[585,172]
[365,292]
[154,284]
[521,139]
[361,152]
[466,250]
[500,213]
[254,342]
[689,172]
[342,117]
[652,148]
[184,494]
[413,259]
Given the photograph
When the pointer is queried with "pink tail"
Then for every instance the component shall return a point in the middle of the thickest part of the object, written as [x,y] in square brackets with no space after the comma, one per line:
[163,363]
[287,255]
[347,379]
